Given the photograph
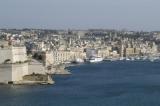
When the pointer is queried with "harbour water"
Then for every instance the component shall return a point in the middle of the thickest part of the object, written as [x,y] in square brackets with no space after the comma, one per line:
[117,83]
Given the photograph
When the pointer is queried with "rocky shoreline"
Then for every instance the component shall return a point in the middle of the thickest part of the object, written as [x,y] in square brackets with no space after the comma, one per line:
[44,79]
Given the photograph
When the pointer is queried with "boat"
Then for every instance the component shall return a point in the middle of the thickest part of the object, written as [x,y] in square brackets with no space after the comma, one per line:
[145,58]
[79,60]
[138,58]
[95,59]
[121,58]
[132,58]
[127,59]
[152,59]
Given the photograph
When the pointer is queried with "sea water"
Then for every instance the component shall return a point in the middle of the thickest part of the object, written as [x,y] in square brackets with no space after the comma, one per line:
[118,83]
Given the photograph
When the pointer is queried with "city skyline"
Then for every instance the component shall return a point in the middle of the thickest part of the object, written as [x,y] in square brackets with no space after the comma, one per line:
[80,14]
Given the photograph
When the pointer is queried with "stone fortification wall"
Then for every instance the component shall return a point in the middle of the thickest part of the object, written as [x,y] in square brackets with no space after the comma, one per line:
[13,72]
[36,68]
[5,73]
[18,71]
[19,54]
[14,54]
[5,54]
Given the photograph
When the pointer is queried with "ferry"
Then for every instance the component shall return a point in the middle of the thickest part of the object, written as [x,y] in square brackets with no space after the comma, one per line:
[95,59]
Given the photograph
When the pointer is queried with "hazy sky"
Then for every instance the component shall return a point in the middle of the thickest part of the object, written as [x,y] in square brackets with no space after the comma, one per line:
[80,14]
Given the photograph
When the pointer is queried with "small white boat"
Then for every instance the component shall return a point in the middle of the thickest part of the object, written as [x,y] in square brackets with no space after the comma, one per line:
[95,59]
[78,60]
[138,58]
[121,58]
[127,59]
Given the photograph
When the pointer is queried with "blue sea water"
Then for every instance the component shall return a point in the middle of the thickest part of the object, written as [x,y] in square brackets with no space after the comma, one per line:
[103,84]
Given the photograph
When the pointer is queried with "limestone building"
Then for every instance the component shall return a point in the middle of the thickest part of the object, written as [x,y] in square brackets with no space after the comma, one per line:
[58,57]
[13,64]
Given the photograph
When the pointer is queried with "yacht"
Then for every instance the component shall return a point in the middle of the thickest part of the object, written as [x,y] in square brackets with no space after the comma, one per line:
[95,59]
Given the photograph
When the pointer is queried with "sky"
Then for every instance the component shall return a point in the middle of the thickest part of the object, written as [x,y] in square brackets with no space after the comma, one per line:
[80,14]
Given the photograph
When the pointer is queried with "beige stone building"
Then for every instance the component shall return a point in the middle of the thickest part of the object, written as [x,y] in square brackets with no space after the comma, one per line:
[13,54]
[137,51]
[58,57]
[129,51]
[13,64]
[105,52]
[13,72]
